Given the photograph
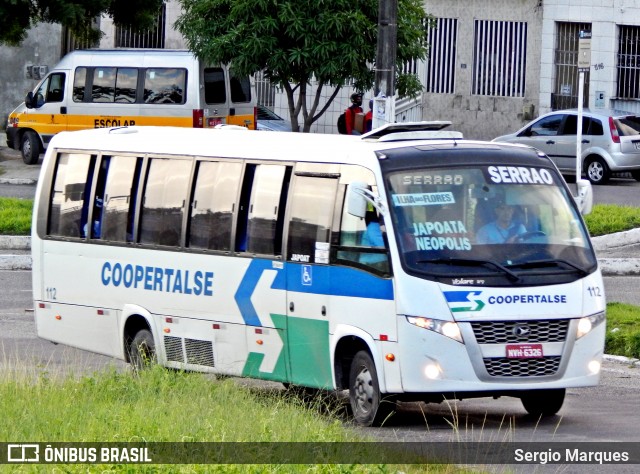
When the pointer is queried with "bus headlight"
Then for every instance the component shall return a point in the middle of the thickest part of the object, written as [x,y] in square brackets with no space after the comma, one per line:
[586,324]
[446,328]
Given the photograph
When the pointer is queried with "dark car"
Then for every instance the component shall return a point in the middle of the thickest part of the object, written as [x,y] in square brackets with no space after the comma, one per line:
[269,120]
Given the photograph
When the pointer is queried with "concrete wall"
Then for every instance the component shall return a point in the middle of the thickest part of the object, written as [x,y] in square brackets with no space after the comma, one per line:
[476,116]
[41,47]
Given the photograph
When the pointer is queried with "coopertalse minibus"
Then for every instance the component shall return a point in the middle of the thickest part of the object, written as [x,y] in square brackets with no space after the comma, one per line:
[122,87]
[379,264]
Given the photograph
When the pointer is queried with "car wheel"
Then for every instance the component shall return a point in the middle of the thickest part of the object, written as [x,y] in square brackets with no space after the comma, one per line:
[543,402]
[636,175]
[597,171]
[367,405]
[30,146]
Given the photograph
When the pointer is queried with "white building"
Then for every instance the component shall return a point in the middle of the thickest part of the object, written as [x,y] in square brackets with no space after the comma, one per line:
[493,64]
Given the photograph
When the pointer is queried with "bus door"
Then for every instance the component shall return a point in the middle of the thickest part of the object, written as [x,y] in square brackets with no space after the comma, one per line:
[312,204]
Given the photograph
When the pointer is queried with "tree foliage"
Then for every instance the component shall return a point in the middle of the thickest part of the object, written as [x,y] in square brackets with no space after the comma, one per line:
[295,41]
[17,16]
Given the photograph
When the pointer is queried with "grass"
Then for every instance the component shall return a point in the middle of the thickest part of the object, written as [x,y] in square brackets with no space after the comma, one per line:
[15,216]
[623,330]
[170,406]
[610,218]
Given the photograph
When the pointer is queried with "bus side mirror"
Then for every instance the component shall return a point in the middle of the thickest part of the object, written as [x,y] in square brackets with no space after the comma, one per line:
[584,199]
[28,101]
[356,202]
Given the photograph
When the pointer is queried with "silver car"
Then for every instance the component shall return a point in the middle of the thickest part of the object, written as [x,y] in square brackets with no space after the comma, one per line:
[610,141]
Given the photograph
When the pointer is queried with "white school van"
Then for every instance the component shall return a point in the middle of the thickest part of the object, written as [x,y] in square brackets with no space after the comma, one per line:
[122,87]
[324,261]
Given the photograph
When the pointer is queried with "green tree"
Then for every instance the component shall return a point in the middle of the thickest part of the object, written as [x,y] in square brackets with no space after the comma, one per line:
[295,41]
[17,16]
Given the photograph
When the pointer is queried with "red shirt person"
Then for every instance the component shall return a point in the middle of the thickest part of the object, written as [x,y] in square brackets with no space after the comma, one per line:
[350,113]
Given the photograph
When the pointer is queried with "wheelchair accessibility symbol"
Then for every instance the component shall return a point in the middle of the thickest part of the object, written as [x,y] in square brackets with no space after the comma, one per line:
[306,275]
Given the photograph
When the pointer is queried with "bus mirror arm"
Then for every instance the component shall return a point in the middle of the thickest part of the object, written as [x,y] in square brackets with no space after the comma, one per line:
[584,199]
[358,196]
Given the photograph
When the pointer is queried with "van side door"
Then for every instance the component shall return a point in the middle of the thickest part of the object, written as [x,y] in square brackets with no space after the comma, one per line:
[49,113]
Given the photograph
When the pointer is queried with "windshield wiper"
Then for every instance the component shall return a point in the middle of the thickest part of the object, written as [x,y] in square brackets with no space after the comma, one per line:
[472,262]
[547,261]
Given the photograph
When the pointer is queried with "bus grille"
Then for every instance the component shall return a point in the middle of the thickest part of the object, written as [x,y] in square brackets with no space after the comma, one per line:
[198,352]
[503,332]
[173,348]
[503,367]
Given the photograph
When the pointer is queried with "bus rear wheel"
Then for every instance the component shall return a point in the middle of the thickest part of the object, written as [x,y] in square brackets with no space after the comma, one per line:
[367,405]
[142,352]
[30,147]
[543,402]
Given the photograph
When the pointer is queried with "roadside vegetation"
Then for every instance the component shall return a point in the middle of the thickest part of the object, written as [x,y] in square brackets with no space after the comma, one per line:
[610,218]
[15,216]
[161,405]
[623,330]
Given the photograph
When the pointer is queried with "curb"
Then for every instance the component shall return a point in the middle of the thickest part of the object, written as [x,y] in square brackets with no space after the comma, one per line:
[629,362]
[28,181]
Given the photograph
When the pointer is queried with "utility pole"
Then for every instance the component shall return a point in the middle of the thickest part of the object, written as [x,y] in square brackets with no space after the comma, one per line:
[384,110]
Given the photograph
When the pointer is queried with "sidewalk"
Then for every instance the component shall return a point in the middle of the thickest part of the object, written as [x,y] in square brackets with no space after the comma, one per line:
[618,254]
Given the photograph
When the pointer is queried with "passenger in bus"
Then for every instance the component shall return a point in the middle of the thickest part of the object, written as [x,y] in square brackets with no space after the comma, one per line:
[372,237]
[504,229]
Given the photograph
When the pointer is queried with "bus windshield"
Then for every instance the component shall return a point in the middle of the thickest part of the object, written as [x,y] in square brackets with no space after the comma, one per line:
[486,225]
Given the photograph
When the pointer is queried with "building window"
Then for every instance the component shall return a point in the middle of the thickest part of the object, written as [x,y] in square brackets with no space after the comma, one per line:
[441,61]
[500,57]
[565,90]
[151,38]
[628,62]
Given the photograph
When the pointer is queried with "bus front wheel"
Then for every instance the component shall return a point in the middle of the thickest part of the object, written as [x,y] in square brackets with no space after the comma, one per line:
[142,352]
[543,402]
[367,405]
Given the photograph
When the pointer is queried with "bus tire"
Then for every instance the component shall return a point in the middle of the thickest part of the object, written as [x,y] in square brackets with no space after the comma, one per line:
[367,406]
[30,147]
[542,403]
[142,352]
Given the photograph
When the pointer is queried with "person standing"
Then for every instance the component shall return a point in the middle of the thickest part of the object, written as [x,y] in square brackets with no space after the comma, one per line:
[350,113]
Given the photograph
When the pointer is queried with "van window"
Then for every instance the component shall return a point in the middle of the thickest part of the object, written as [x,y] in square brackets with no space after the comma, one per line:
[214,88]
[214,201]
[126,85]
[240,88]
[79,82]
[69,197]
[104,82]
[163,202]
[51,89]
[165,86]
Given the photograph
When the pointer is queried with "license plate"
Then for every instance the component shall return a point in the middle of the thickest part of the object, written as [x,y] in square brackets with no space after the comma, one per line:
[637,145]
[213,121]
[524,351]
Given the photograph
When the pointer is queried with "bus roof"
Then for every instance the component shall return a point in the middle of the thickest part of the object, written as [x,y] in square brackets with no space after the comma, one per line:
[237,142]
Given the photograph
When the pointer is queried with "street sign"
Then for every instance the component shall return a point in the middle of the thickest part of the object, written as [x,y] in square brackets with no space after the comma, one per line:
[584,51]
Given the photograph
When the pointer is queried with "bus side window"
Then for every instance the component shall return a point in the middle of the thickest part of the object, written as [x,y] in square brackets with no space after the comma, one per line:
[263,213]
[120,186]
[312,206]
[214,201]
[69,207]
[163,203]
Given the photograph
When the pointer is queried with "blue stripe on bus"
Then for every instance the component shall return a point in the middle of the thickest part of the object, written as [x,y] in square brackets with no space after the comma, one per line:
[314,279]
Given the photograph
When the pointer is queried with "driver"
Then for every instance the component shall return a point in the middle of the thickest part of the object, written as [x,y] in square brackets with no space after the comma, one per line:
[502,229]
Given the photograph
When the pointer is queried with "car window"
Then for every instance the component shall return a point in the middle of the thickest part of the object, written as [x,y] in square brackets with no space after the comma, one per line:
[629,125]
[547,126]
[590,126]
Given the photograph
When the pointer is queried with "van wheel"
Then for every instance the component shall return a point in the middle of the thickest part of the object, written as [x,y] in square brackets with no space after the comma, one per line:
[366,401]
[543,402]
[142,352]
[30,147]
[597,171]
[636,175]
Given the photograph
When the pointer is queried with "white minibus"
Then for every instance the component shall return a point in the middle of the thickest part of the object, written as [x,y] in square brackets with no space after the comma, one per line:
[382,264]
[122,87]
